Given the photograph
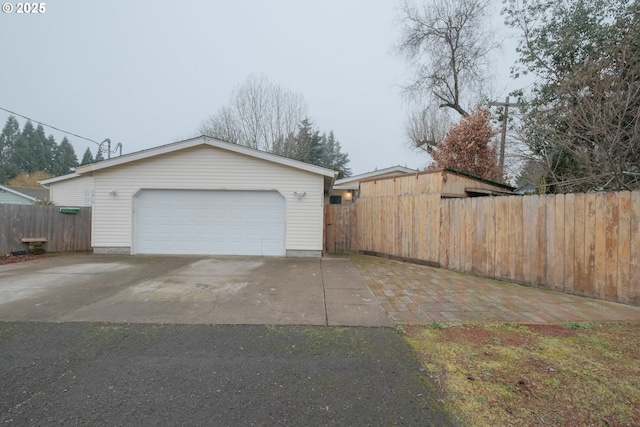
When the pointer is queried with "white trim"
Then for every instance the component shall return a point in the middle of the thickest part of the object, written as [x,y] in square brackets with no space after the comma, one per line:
[342,183]
[59,178]
[353,186]
[188,143]
[17,193]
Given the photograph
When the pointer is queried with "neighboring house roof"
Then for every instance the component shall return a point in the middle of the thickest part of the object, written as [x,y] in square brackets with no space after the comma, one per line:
[464,186]
[486,181]
[31,194]
[528,188]
[329,174]
[353,182]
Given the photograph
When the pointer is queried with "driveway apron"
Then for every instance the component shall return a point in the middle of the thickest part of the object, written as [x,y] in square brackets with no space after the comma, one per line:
[171,289]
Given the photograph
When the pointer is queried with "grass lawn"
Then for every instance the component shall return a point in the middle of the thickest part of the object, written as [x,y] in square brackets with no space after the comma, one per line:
[577,374]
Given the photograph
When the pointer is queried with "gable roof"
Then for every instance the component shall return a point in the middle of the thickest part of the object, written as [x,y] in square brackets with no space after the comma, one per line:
[352,182]
[444,171]
[32,194]
[329,174]
[59,178]
[477,178]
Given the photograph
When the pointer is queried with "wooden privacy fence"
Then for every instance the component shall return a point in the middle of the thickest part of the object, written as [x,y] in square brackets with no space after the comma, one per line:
[64,232]
[585,244]
[340,228]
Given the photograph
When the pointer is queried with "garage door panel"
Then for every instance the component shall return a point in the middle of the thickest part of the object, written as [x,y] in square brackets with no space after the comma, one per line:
[209,222]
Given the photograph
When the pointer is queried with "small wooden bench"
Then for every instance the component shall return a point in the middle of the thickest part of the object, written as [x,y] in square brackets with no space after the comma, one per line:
[33,240]
[35,244]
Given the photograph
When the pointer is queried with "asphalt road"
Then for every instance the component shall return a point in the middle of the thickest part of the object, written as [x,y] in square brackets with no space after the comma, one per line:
[193,375]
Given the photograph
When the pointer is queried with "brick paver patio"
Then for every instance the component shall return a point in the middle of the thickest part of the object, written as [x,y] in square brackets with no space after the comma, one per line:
[413,293]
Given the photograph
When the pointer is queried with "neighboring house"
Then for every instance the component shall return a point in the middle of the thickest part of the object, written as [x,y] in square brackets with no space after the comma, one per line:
[446,183]
[22,196]
[528,188]
[200,196]
[346,190]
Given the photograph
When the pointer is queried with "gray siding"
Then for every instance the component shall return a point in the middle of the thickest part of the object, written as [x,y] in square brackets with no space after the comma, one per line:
[7,198]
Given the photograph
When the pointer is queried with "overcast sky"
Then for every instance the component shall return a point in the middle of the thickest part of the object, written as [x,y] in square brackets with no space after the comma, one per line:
[146,73]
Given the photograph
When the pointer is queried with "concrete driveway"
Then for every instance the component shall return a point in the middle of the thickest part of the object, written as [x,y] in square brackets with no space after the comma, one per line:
[189,289]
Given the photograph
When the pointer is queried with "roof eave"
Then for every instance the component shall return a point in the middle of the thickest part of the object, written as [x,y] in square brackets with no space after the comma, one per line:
[193,142]
[17,193]
[59,178]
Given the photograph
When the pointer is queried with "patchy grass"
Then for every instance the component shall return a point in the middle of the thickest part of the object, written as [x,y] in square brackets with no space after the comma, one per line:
[577,325]
[500,375]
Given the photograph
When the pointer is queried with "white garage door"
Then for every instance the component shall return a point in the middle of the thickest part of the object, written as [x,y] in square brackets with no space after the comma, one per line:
[209,222]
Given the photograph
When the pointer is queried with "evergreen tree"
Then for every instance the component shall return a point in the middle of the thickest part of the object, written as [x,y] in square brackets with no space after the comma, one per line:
[307,145]
[309,148]
[99,156]
[333,157]
[21,153]
[8,139]
[50,148]
[87,158]
[39,158]
[66,158]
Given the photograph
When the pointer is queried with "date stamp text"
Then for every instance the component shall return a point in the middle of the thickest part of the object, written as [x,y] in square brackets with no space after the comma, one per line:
[24,8]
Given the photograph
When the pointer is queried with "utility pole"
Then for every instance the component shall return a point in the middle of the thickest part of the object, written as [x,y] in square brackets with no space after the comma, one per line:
[505,117]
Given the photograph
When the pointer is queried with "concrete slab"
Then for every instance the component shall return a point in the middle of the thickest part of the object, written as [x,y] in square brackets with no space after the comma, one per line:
[173,289]
[349,301]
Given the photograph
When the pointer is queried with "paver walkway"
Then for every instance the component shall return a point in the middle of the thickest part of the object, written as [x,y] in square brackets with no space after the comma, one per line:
[413,293]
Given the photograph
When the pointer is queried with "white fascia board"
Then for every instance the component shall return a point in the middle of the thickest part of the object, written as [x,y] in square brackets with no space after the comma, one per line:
[59,178]
[17,193]
[368,175]
[193,142]
[352,186]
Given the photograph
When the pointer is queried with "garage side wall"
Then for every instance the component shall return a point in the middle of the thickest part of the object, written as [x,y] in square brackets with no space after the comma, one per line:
[206,168]
[72,192]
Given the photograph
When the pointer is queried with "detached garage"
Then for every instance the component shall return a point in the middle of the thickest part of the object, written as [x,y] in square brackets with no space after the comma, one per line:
[203,196]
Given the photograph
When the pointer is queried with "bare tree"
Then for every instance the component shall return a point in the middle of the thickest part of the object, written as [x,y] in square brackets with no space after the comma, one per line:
[259,115]
[426,127]
[448,43]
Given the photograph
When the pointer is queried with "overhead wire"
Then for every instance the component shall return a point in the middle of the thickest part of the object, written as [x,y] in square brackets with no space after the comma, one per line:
[49,126]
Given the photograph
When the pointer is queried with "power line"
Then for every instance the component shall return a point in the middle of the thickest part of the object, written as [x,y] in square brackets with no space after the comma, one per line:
[49,126]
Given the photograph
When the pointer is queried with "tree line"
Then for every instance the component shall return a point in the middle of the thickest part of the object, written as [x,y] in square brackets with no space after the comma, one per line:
[265,116]
[30,150]
[578,123]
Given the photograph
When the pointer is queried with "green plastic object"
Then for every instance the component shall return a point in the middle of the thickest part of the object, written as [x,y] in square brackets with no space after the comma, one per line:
[69,211]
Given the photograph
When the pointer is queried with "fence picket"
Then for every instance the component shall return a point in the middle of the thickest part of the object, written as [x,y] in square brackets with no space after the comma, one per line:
[63,232]
[586,244]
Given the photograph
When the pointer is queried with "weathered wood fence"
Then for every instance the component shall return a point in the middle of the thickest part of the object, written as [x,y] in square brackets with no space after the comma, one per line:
[585,244]
[63,232]
[340,228]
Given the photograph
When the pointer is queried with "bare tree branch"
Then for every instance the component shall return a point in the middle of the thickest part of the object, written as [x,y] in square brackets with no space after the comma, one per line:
[259,114]
[426,127]
[448,43]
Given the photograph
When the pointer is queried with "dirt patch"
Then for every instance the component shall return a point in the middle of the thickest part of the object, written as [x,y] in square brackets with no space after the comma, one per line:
[571,375]
[553,330]
[19,258]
